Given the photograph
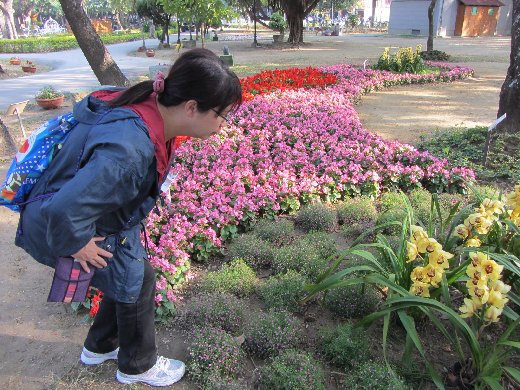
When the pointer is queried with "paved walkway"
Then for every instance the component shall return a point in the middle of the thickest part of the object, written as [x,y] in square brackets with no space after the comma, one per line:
[71,71]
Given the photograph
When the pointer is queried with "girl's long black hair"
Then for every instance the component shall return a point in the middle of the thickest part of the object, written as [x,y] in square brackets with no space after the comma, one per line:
[197,74]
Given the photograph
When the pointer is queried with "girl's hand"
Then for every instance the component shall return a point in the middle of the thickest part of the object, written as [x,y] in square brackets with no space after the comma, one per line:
[92,254]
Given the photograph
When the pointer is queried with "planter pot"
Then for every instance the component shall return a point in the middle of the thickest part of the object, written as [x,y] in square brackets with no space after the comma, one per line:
[15,62]
[150,53]
[227,59]
[278,38]
[141,49]
[48,104]
[29,69]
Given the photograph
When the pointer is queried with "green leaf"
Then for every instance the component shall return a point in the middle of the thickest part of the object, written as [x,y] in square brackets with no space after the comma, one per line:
[514,372]
[514,344]
[492,382]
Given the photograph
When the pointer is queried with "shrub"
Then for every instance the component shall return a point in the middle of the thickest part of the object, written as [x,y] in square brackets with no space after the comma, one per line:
[344,346]
[393,215]
[218,382]
[213,352]
[324,243]
[435,55]
[219,310]
[360,210]
[234,278]
[390,200]
[317,217]
[485,192]
[292,370]
[283,291]
[301,257]
[254,251]
[374,376]
[405,60]
[352,301]
[280,232]
[48,92]
[269,333]
[421,200]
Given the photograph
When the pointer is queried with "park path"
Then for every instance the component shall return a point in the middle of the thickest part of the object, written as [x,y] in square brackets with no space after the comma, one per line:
[71,71]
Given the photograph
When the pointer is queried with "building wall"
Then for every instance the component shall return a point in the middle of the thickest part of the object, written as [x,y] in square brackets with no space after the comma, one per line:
[410,17]
[505,19]
[480,24]
[382,13]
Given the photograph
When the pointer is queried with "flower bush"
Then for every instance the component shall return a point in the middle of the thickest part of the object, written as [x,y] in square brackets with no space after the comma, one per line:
[285,149]
[344,346]
[283,291]
[235,278]
[253,250]
[316,217]
[280,232]
[374,376]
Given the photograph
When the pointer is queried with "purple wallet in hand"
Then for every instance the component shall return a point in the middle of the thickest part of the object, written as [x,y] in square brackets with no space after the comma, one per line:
[70,282]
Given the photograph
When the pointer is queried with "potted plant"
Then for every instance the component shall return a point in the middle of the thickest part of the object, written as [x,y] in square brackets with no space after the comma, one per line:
[277,22]
[150,52]
[15,61]
[29,67]
[48,98]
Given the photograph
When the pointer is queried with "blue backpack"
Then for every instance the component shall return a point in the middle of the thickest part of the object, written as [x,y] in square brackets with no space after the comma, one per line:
[33,158]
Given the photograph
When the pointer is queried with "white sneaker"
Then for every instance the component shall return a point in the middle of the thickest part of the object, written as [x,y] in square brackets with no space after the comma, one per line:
[165,372]
[93,358]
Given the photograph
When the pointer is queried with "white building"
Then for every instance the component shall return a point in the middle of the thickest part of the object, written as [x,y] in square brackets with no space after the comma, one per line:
[410,17]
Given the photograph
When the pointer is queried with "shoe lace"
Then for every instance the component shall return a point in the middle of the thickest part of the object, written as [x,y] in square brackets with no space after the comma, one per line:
[162,363]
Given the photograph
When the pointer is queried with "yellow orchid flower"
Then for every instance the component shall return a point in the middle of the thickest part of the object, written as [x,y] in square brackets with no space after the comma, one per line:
[428,245]
[474,219]
[411,251]
[440,259]
[497,299]
[484,226]
[492,206]
[434,274]
[419,288]
[419,274]
[480,294]
[469,308]
[476,272]
[462,231]
[477,258]
[498,285]
[492,314]
[492,269]
[473,242]
[476,283]
[418,233]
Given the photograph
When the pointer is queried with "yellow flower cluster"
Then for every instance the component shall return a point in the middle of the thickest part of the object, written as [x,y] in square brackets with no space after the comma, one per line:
[485,288]
[513,201]
[431,274]
[479,222]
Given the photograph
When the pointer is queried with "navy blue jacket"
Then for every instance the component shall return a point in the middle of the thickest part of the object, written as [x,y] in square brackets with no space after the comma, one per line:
[115,187]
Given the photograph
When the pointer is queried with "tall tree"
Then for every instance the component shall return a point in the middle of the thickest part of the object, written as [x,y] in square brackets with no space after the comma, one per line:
[431,9]
[296,11]
[97,55]
[154,10]
[510,93]
[6,7]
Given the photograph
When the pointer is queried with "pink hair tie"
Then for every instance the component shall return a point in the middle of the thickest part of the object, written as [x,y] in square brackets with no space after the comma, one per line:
[158,84]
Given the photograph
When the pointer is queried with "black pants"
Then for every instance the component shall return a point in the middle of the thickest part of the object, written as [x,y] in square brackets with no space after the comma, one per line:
[127,325]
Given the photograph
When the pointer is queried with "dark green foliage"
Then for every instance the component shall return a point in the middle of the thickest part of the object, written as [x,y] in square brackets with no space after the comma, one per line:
[344,346]
[324,243]
[404,60]
[465,148]
[316,216]
[292,370]
[421,200]
[352,301]
[254,251]
[435,55]
[217,382]
[374,376]
[213,352]
[269,333]
[393,215]
[279,232]
[391,200]
[358,210]
[302,257]
[234,278]
[283,291]
[219,310]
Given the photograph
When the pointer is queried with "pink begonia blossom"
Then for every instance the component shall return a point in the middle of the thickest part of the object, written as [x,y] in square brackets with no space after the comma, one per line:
[286,146]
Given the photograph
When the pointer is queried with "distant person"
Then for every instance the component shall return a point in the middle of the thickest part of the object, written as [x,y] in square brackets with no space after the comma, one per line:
[123,147]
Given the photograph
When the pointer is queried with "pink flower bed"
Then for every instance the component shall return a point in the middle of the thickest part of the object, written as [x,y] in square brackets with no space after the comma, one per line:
[285,149]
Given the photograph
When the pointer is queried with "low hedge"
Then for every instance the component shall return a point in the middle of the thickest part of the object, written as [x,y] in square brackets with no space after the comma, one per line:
[57,42]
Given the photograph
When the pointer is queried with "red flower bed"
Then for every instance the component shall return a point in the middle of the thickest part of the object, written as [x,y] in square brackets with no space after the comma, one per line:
[282,80]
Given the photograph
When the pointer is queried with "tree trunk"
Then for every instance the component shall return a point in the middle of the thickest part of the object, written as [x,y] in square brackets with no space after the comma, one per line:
[100,60]
[2,69]
[295,15]
[374,5]
[510,93]
[6,6]
[118,21]
[431,9]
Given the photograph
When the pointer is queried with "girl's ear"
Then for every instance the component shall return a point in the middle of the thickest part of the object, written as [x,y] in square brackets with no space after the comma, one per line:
[190,107]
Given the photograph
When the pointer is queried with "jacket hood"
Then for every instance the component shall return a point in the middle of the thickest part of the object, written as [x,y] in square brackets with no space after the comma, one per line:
[91,110]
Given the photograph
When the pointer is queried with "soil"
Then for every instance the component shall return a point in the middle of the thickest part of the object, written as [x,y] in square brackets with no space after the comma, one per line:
[41,342]
[13,71]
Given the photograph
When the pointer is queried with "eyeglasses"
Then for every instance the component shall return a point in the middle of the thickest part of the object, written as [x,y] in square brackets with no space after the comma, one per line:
[226,118]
